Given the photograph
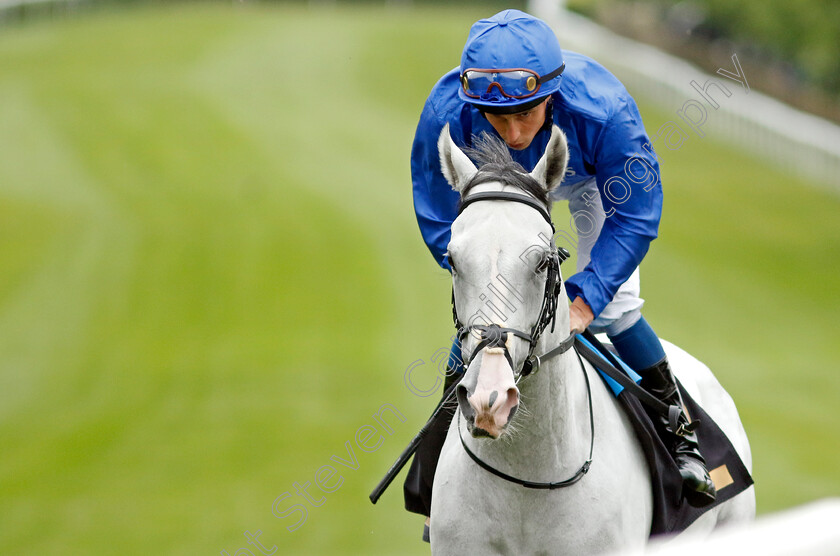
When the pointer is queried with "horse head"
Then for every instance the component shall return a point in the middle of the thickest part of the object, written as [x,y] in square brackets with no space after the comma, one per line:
[505,270]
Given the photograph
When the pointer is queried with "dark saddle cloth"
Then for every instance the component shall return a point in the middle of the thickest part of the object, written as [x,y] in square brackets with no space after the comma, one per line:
[671,513]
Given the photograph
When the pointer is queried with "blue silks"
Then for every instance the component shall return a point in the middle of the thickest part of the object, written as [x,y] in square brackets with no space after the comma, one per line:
[455,363]
[606,141]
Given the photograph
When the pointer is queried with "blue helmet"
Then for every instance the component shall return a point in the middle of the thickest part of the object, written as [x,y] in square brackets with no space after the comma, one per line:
[511,61]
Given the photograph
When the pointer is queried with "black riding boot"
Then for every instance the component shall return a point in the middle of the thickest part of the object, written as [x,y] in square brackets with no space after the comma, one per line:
[698,488]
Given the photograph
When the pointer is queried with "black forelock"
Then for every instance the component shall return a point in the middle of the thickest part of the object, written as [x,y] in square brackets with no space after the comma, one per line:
[495,164]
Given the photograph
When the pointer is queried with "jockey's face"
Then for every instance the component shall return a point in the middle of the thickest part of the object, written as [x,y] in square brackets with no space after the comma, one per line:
[518,130]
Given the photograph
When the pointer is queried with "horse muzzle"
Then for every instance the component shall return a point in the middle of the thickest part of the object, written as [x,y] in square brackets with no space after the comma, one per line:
[488,398]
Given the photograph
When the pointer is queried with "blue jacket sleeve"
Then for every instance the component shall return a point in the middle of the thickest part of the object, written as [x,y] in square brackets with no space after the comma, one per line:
[435,203]
[631,194]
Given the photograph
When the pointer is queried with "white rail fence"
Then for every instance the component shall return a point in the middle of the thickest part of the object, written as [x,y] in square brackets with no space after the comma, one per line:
[795,141]
[22,8]
[809,530]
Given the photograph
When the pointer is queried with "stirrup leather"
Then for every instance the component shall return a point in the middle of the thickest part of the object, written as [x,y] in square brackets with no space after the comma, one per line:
[679,424]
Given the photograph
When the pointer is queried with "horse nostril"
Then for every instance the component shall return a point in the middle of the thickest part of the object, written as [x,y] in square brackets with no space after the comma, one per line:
[462,394]
[512,402]
[513,394]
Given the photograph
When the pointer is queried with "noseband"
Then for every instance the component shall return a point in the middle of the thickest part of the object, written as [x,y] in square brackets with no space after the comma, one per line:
[493,335]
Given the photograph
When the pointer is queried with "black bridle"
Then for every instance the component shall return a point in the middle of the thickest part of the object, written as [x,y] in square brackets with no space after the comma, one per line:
[493,335]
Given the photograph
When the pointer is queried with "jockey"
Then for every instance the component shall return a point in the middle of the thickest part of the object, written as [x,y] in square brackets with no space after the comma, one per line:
[514,81]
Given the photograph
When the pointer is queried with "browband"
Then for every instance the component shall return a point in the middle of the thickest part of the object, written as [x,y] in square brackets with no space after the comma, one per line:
[507,196]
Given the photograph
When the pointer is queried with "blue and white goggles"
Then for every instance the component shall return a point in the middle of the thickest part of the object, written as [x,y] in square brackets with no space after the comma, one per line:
[515,83]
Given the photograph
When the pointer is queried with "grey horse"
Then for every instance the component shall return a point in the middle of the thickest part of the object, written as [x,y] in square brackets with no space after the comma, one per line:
[537,428]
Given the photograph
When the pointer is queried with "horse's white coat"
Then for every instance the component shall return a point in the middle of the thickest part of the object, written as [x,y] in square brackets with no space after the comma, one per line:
[474,512]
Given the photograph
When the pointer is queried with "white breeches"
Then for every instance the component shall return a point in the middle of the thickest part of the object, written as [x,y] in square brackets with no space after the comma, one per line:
[588,218]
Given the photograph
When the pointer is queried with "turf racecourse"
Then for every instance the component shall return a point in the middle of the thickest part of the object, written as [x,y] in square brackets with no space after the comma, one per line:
[211,280]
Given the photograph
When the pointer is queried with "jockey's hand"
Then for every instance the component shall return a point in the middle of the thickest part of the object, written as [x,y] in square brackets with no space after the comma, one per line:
[580,315]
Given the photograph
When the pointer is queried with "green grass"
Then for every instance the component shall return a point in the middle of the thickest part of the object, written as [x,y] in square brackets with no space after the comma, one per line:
[212,279]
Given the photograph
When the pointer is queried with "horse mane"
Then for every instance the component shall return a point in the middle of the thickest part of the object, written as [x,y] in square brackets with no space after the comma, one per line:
[495,164]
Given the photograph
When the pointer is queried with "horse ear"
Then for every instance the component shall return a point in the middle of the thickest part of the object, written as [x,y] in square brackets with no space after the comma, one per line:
[551,169]
[457,168]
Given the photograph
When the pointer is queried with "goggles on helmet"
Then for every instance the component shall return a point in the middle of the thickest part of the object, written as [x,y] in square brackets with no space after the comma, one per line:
[515,83]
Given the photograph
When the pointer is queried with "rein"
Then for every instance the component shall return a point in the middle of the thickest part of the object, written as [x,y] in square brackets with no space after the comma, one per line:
[607,364]
[563,347]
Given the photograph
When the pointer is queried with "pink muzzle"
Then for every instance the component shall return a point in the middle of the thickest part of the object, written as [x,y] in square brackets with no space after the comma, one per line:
[489,401]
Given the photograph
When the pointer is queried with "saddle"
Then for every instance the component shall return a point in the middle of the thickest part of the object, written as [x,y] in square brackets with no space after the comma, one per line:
[671,513]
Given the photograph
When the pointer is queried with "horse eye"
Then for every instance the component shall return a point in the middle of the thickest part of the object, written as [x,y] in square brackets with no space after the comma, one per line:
[451,262]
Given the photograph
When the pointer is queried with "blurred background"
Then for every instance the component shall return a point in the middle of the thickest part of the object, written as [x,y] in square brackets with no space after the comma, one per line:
[211,277]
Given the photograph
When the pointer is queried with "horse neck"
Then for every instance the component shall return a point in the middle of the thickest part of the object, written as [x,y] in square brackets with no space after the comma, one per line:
[555,399]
